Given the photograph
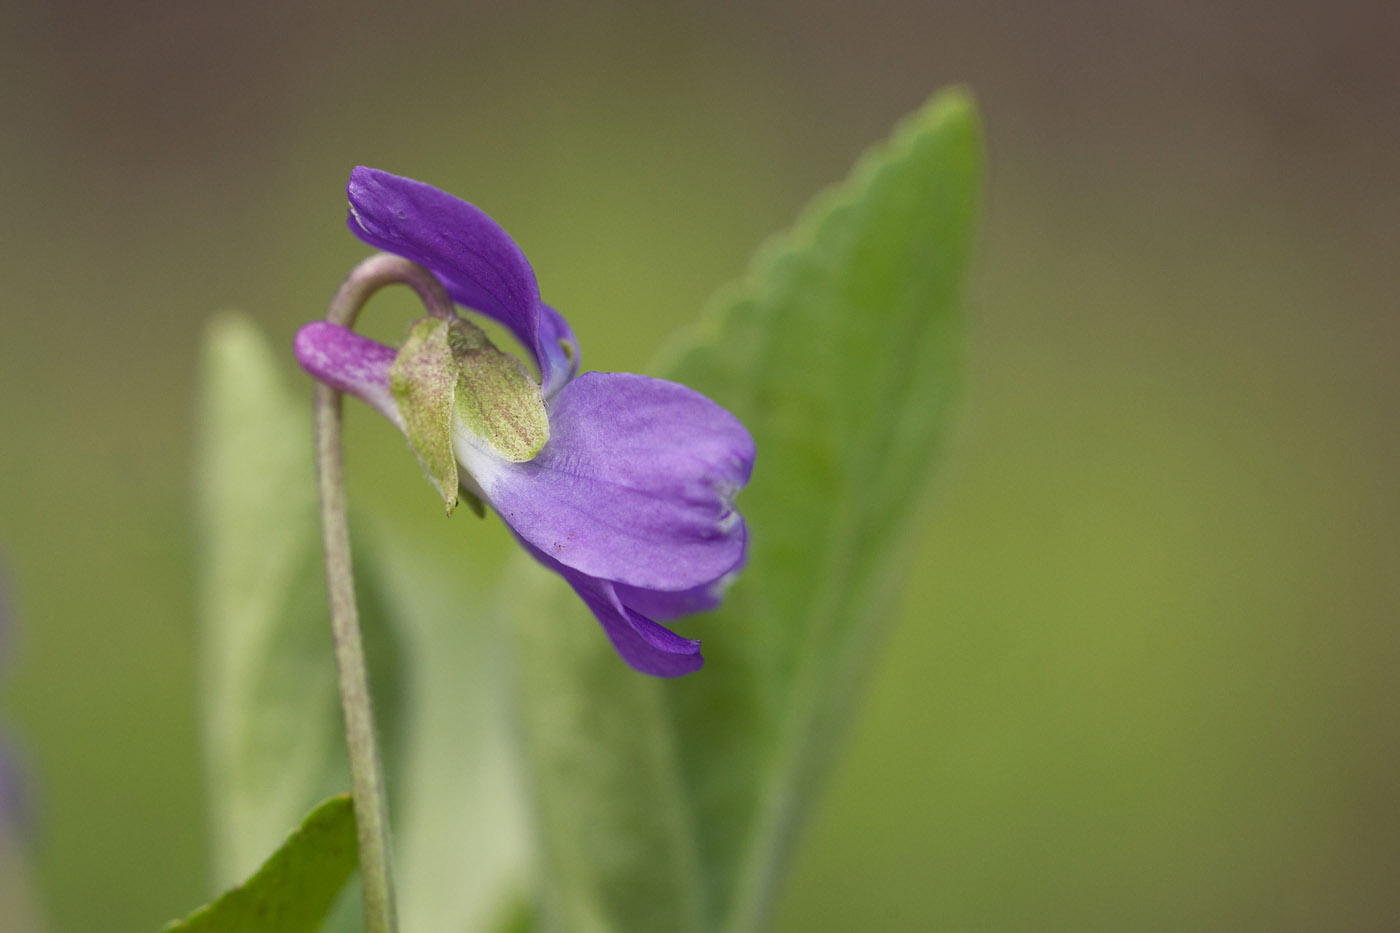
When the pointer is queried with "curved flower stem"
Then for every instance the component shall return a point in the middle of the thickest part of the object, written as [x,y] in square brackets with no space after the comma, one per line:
[366,769]
[380,270]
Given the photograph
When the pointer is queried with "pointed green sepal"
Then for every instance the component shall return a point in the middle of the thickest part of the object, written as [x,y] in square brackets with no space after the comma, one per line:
[424,382]
[497,399]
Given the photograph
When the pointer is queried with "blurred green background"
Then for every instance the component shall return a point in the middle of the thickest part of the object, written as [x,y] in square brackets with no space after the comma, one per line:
[1148,672]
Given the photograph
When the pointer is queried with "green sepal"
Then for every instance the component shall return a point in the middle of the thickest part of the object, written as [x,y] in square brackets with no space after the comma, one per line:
[447,371]
[423,380]
[497,399]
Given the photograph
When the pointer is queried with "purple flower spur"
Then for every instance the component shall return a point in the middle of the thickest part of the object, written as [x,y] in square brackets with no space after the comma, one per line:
[622,484]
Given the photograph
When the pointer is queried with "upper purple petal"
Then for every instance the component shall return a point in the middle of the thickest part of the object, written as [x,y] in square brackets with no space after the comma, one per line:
[645,646]
[480,265]
[636,484]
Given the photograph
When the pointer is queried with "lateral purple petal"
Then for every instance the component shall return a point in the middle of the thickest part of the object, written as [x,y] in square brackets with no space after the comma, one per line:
[480,265]
[636,484]
[645,646]
[559,353]
[353,364]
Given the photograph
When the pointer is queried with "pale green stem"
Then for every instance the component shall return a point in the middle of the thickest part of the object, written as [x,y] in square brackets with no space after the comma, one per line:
[366,769]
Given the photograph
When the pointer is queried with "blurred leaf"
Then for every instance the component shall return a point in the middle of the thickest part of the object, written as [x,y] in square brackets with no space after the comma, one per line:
[460,830]
[673,804]
[265,633]
[294,889]
[273,726]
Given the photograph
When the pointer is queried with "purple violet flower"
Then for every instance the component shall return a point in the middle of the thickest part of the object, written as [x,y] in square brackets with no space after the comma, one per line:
[627,492]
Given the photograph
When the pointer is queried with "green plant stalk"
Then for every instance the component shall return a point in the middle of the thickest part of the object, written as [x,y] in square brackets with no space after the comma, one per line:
[366,766]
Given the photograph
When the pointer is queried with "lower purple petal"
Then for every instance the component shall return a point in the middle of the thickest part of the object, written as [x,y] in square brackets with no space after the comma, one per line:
[664,606]
[642,643]
[668,605]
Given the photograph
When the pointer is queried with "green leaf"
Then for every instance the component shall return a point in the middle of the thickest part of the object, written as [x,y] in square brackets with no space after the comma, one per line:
[674,804]
[274,741]
[294,889]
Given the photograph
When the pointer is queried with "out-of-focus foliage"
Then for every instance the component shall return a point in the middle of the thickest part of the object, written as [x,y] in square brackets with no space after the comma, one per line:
[673,805]
[272,734]
[273,723]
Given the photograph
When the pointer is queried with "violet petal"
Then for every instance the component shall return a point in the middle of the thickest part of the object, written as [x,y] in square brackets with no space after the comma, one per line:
[636,484]
[480,265]
[645,646]
[665,606]
[559,353]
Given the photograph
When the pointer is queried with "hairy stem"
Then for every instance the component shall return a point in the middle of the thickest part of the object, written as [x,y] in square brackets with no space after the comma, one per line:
[366,768]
